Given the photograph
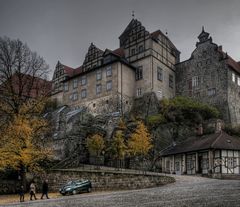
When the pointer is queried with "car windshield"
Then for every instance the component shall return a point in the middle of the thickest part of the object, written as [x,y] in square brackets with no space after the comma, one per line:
[71,183]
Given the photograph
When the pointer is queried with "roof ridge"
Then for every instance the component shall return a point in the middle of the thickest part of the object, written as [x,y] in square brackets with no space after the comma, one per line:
[218,137]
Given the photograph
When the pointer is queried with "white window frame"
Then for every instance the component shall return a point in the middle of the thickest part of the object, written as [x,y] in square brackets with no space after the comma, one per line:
[109,71]
[83,80]
[139,92]
[75,96]
[99,75]
[195,81]
[66,86]
[109,85]
[83,93]
[233,77]
[212,92]
[238,81]
[75,83]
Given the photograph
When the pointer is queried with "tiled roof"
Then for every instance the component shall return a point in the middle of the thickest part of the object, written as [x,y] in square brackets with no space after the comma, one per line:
[230,61]
[31,86]
[155,34]
[68,70]
[119,52]
[219,140]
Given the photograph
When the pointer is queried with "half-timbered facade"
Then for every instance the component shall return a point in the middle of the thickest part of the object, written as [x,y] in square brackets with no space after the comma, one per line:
[213,154]
[154,57]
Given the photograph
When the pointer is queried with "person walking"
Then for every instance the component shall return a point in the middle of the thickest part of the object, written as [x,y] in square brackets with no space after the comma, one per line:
[21,193]
[45,189]
[33,191]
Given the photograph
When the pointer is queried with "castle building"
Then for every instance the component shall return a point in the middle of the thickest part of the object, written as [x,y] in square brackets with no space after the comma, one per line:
[211,76]
[108,80]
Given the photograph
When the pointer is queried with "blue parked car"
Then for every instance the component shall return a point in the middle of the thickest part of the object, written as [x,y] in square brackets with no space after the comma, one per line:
[74,187]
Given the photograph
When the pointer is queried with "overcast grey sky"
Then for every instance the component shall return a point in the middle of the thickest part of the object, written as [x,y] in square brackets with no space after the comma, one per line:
[63,29]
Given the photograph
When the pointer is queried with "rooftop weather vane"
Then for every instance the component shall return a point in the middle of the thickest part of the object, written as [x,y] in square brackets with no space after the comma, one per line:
[133,15]
[166,32]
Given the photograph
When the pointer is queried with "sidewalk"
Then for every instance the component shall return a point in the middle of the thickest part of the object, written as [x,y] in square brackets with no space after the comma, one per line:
[6,199]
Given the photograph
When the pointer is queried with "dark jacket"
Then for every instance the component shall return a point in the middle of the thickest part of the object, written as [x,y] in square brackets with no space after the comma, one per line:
[21,190]
[45,187]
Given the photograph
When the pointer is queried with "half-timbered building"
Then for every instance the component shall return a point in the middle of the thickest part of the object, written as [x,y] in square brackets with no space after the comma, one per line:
[215,154]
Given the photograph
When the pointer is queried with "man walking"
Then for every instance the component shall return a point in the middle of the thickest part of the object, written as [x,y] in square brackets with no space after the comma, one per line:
[45,189]
[21,193]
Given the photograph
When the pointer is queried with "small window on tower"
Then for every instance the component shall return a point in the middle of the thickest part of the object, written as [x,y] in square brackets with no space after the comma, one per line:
[139,73]
[171,81]
[233,77]
[133,51]
[160,74]
[140,49]
[139,92]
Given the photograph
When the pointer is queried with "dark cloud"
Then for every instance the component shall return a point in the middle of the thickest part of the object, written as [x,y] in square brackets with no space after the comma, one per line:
[63,29]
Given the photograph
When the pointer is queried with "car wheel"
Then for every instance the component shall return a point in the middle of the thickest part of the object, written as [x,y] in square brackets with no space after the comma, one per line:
[89,190]
[74,192]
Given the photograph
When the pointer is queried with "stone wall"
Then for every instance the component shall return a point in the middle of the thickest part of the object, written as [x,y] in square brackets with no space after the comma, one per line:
[8,186]
[104,180]
[207,77]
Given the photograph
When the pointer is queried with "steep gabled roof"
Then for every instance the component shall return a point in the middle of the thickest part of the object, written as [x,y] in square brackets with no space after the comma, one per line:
[128,28]
[119,52]
[230,61]
[135,26]
[27,85]
[68,70]
[219,140]
[154,36]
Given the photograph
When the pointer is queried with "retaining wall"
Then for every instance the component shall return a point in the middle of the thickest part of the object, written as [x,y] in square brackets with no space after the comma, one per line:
[104,180]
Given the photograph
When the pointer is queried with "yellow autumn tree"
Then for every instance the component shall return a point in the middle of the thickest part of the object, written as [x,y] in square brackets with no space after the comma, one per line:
[118,147]
[95,144]
[139,143]
[21,144]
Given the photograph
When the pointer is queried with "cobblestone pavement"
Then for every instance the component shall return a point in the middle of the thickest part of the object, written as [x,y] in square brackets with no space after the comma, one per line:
[187,191]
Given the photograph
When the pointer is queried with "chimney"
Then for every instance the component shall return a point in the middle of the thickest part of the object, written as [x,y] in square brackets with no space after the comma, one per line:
[218,126]
[200,130]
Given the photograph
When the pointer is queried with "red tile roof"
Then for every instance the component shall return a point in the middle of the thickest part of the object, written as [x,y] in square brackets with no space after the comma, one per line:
[28,86]
[230,61]
[68,70]
[119,52]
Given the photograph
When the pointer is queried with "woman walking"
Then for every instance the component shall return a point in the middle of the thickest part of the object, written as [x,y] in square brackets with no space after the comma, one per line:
[33,191]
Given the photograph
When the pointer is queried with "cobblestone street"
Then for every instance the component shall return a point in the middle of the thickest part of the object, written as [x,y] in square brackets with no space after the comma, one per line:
[187,191]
